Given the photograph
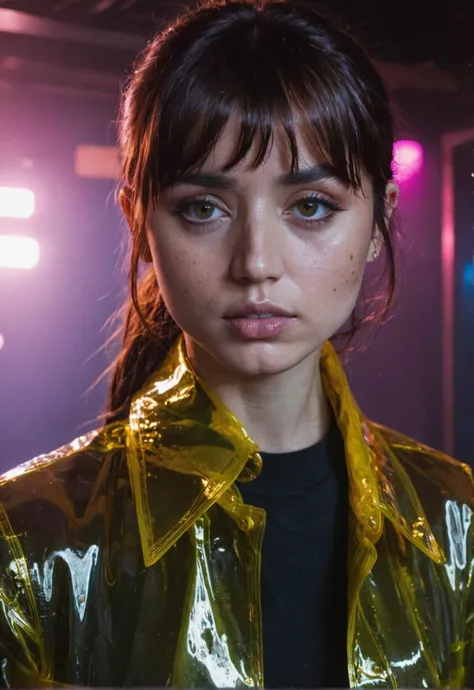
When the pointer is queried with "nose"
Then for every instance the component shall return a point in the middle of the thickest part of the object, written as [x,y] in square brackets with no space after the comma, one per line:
[258,250]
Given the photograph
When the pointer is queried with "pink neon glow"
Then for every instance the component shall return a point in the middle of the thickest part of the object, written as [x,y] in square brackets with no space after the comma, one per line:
[17,251]
[407,159]
[447,245]
[16,202]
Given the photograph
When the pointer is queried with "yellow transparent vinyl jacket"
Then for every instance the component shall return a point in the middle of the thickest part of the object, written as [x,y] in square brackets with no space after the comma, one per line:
[129,558]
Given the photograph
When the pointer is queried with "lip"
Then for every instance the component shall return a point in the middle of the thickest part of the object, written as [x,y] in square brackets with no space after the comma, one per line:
[273,320]
[249,308]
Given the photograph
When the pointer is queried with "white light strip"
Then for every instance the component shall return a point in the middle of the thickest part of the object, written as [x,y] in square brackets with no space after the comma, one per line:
[16,202]
[17,251]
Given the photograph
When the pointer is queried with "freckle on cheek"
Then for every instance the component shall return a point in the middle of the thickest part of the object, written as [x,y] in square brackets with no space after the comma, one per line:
[352,257]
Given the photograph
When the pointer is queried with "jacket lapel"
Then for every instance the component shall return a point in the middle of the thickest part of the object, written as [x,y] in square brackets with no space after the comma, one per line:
[379,486]
[185,449]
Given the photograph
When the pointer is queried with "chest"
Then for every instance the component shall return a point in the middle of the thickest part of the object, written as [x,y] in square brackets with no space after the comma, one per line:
[194,618]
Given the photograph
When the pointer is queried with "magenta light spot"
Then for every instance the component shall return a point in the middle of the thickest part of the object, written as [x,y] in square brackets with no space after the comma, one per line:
[407,159]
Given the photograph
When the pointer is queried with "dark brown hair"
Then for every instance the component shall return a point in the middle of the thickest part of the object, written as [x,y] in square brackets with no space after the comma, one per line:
[270,62]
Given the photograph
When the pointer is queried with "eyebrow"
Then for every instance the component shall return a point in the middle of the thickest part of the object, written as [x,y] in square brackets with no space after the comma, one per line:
[315,173]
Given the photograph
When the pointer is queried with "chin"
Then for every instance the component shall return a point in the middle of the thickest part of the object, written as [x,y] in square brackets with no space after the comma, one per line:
[261,358]
[212,353]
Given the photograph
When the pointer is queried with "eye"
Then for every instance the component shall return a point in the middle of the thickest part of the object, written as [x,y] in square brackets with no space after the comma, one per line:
[314,209]
[200,211]
[310,208]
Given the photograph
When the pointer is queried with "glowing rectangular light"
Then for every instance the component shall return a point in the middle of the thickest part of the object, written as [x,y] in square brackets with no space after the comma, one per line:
[17,251]
[16,202]
[97,162]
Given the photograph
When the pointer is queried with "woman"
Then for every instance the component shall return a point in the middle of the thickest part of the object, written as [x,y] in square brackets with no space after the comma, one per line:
[257,144]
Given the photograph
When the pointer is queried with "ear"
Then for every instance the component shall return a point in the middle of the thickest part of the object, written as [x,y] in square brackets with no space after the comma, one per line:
[125,199]
[392,193]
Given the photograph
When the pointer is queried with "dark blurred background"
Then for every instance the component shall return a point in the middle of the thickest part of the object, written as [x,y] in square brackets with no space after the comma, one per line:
[62,63]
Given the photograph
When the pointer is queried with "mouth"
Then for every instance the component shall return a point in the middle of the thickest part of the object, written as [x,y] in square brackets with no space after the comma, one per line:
[270,315]
[259,311]
[259,321]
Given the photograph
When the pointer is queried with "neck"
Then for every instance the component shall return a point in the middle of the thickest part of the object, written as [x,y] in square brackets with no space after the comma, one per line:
[283,412]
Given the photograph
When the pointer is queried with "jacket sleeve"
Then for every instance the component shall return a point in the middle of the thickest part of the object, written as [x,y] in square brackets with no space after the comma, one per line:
[20,637]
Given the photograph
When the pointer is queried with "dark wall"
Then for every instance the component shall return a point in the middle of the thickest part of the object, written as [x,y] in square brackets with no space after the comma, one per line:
[398,379]
[463,161]
[52,317]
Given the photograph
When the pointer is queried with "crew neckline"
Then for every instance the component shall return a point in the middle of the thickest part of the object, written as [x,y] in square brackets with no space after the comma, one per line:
[299,470]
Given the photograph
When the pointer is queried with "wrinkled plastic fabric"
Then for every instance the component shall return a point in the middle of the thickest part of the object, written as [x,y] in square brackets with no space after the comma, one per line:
[129,558]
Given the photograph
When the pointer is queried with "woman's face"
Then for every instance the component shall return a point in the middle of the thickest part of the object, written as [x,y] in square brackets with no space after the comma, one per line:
[259,267]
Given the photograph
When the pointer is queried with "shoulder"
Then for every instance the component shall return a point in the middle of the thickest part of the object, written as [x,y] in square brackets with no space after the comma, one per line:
[60,482]
[51,511]
[435,476]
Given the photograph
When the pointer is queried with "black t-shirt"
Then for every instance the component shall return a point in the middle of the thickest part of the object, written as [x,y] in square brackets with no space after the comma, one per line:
[304,564]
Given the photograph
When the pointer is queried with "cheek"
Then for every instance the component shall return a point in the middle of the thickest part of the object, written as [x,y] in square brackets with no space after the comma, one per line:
[332,277]
[336,269]
[349,271]
[183,278]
